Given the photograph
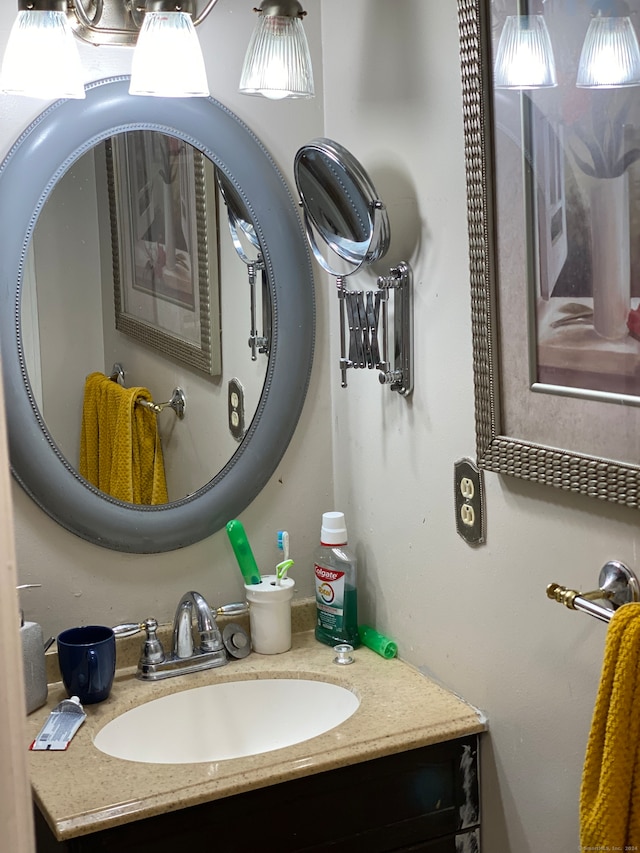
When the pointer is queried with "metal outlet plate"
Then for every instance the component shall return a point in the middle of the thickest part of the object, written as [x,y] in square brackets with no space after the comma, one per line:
[236,409]
[469,501]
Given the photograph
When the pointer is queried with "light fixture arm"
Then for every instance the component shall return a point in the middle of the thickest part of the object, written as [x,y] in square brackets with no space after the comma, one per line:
[42,5]
[200,18]
[281,9]
[82,15]
[87,27]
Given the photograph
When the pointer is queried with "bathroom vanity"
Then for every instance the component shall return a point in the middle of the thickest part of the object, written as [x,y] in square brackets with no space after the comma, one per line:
[401,774]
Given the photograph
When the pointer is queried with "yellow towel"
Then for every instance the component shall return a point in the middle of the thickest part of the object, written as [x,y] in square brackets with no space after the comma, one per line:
[120,449]
[610,794]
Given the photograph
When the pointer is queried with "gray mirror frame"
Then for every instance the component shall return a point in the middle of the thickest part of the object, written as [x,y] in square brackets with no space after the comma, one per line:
[604,479]
[43,152]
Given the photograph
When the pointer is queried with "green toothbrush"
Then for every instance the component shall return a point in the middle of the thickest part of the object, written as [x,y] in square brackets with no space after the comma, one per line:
[243,552]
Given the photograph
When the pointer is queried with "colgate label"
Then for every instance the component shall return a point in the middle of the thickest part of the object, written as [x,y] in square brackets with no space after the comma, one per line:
[329,597]
[328,574]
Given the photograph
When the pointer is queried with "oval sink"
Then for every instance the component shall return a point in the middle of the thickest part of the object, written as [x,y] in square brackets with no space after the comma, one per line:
[228,720]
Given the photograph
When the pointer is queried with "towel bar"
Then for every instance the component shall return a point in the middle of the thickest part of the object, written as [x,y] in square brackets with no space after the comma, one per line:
[618,585]
[178,401]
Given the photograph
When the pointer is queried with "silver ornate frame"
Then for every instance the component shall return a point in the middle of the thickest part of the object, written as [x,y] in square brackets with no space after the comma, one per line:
[605,479]
[205,355]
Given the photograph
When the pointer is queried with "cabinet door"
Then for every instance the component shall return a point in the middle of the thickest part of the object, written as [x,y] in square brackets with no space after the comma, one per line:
[399,802]
[466,842]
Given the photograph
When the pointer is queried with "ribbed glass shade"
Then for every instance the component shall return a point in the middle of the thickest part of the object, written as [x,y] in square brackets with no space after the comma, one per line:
[277,64]
[610,55]
[524,57]
[167,60]
[42,59]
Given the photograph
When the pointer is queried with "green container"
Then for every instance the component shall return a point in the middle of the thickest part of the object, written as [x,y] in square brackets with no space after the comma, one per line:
[384,646]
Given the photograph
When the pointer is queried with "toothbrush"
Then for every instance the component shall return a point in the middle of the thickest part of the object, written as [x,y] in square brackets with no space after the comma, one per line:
[243,552]
[283,543]
[283,567]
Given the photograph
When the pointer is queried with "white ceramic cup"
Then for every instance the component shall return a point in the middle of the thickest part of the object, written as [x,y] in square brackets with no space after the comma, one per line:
[270,614]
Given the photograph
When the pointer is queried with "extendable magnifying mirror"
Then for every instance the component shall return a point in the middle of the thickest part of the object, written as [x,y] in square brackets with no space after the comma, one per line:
[240,225]
[342,210]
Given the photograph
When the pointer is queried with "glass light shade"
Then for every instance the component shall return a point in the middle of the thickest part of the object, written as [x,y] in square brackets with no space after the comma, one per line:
[167,60]
[277,63]
[610,55]
[524,57]
[41,59]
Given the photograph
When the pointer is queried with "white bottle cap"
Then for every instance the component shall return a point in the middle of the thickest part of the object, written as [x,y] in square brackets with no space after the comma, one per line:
[334,529]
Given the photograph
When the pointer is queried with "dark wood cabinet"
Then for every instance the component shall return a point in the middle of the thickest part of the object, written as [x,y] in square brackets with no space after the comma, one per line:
[425,799]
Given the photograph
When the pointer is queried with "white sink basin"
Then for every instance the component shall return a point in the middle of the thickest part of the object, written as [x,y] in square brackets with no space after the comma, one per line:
[229,720]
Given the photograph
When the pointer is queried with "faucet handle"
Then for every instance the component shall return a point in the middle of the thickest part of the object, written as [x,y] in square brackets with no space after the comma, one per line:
[152,651]
[236,609]
[127,629]
[211,639]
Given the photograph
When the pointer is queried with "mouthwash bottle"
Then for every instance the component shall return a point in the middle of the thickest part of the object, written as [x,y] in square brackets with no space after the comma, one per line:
[336,584]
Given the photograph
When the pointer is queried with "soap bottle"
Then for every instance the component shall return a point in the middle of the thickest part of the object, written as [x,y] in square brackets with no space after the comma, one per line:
[34,665]
[335,572]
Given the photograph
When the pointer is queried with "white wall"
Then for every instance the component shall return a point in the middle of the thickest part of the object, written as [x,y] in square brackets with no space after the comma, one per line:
[477,620]
[83,583]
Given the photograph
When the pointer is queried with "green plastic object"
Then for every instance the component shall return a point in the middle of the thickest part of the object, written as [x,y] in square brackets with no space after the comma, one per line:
[377,642]
[243,552]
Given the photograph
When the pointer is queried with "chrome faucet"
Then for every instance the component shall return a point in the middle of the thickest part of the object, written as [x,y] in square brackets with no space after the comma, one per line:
[186,655]
[209,634]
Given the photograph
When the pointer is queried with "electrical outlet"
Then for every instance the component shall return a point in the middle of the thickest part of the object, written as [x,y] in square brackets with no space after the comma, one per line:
[236,409]
[469,501]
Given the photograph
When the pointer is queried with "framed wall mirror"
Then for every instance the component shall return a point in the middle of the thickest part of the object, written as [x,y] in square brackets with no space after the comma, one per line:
[57,324]
[553,190]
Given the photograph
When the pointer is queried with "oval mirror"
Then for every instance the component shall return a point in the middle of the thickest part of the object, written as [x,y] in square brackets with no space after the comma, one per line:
[341,207]
[170,312]
[53,144]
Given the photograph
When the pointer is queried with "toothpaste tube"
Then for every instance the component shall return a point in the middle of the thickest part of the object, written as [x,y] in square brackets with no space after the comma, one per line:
[61,725]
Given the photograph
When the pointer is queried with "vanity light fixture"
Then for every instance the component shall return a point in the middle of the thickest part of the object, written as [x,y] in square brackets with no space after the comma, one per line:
[277,63]
[167,61]
[42,60]
[524,56]
[610,55]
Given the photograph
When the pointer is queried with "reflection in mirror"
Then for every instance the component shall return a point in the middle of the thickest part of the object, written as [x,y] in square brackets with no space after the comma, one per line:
[74,302]
[246,243]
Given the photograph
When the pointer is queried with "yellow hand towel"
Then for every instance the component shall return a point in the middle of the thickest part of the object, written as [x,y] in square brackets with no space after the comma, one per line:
[120,449]
[610,794]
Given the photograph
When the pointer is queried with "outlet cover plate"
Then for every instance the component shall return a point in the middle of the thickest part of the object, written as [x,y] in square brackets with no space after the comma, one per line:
[469,501]
[235,399]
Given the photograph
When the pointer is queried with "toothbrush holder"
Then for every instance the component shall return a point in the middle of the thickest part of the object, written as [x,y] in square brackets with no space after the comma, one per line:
[270,614]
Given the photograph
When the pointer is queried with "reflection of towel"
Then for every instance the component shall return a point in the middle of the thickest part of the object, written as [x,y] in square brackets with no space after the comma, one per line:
[120,450]
[610,795]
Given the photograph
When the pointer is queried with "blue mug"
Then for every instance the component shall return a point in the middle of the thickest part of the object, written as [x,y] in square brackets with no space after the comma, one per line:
[87,660]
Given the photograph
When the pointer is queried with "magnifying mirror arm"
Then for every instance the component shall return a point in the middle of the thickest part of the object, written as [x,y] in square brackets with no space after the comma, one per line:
[400,283]
[367,314]
[258,343]
[344,361]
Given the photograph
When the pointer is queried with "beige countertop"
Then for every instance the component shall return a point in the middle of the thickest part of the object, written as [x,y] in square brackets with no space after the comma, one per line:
[82,790]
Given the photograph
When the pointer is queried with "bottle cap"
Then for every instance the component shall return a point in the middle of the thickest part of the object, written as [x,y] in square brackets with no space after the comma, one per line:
[334,529]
